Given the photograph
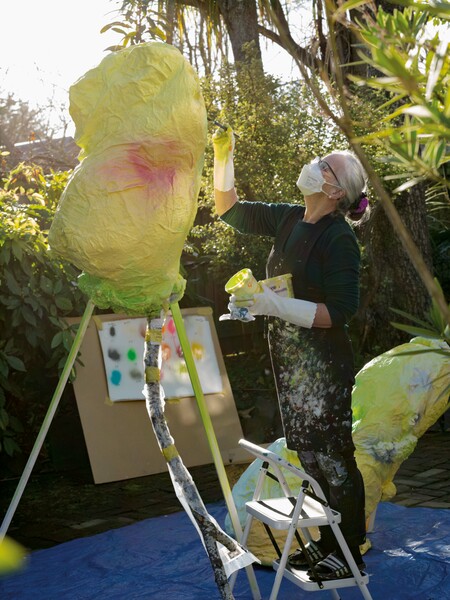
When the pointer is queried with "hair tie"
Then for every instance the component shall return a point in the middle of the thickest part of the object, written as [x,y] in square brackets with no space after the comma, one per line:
[362,205]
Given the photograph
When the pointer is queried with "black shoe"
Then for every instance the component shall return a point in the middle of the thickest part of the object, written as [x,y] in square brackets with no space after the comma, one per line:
[333,567]
[298,560]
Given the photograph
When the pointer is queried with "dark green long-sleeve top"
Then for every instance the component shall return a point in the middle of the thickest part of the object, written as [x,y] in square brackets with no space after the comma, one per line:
[331,272]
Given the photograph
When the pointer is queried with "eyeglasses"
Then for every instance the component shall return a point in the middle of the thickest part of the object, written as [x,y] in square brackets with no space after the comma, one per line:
[324,166]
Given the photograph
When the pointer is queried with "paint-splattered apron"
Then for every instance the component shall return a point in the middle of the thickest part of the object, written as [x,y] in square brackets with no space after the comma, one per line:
[313,368]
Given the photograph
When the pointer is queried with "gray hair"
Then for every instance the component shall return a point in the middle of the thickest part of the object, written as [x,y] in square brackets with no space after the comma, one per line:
[353,180]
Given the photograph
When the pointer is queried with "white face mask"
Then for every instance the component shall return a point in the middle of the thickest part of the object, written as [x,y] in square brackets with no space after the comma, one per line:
[310,180]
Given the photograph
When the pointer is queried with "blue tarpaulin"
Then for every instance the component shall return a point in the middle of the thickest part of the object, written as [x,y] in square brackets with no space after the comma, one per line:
[162,558]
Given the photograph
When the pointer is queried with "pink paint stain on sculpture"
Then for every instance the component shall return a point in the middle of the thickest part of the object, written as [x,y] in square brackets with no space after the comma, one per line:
[138,165]
[149,171]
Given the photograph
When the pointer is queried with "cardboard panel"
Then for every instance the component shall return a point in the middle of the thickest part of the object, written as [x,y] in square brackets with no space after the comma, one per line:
[119,436]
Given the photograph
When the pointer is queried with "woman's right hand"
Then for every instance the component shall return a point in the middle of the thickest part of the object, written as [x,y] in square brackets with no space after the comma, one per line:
[223,143]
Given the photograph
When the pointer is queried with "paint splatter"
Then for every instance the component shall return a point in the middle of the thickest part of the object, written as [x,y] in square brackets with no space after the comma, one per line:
[116,377]
[142,329]
[198,350]
[182,368]
[113,354]
[171,326]
[136,374]
[131,355]
[166,352]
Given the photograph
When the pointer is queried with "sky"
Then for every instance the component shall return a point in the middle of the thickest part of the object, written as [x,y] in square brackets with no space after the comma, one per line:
[46,45]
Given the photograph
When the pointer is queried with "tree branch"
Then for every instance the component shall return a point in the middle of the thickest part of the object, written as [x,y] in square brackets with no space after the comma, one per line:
[293,49]
[276,14]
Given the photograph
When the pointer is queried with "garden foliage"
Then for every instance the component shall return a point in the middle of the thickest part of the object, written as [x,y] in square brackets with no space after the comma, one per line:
[36,293]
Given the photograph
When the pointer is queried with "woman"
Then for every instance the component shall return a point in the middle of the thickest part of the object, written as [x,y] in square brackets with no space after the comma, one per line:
[310,349]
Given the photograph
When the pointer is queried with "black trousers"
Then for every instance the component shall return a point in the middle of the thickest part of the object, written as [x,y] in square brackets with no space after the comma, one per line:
[314,375]
[343,486]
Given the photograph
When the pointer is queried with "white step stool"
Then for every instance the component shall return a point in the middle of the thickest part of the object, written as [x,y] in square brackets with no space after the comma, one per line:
[309,509]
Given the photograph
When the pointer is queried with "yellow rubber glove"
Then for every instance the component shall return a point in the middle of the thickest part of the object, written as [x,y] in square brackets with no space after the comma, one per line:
[223,143]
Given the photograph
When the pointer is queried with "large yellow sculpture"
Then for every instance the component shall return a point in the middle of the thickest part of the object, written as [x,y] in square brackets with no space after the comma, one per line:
[123,219]
[124,216]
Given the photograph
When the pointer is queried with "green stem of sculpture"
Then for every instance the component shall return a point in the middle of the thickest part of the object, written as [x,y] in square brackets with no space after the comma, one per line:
[210,435]
[212,441]
[48,418]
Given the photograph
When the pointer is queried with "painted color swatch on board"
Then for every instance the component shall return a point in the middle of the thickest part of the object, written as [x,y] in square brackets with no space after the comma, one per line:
[122,344]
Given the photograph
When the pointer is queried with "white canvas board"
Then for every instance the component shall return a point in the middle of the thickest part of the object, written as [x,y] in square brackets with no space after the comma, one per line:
[122,344]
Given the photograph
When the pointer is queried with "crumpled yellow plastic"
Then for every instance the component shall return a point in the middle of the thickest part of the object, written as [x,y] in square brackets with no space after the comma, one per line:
[12,556]
[127,209]
[397,396]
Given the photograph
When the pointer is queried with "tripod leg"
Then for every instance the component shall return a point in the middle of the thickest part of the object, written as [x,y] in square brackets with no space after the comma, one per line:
[48,418]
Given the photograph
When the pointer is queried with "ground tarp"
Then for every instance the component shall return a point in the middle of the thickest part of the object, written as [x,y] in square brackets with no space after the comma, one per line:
[162,558]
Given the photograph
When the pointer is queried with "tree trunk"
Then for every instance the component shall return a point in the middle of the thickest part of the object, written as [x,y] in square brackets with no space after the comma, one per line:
[241,21]
[389,279]
[347,46]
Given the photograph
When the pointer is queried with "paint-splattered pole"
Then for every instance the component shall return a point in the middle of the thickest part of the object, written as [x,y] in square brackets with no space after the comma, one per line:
[183,483]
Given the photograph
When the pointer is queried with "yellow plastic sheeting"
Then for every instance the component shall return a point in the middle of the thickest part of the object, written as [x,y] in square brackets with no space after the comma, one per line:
[12,556]
[141,125]
[396,398]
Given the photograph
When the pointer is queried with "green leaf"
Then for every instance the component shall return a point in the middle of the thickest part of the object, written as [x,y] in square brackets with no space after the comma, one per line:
[57,288]
[115,48]
[434,7]
[437,317]
[67,340]
[9,346]
[15,363]
[114,24]
[416,331]
[32,338]
[4,369]
[46,285]
[119,30]
[158,32]
[62,361]
[409,316]
[408,184]
[4,419]
[16,318]
[10,446]
[56,322]
[12,302]
[12,284]
[17,250]
[5,254]
[57,339]
[29,315]
[418,111]
[27,268]
[63,303]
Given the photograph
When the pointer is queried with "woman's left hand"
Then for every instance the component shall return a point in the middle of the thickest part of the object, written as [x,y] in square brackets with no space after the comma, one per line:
[293,310]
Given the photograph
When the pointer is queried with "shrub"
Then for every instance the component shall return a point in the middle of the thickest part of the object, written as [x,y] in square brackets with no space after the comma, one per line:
[37,292]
